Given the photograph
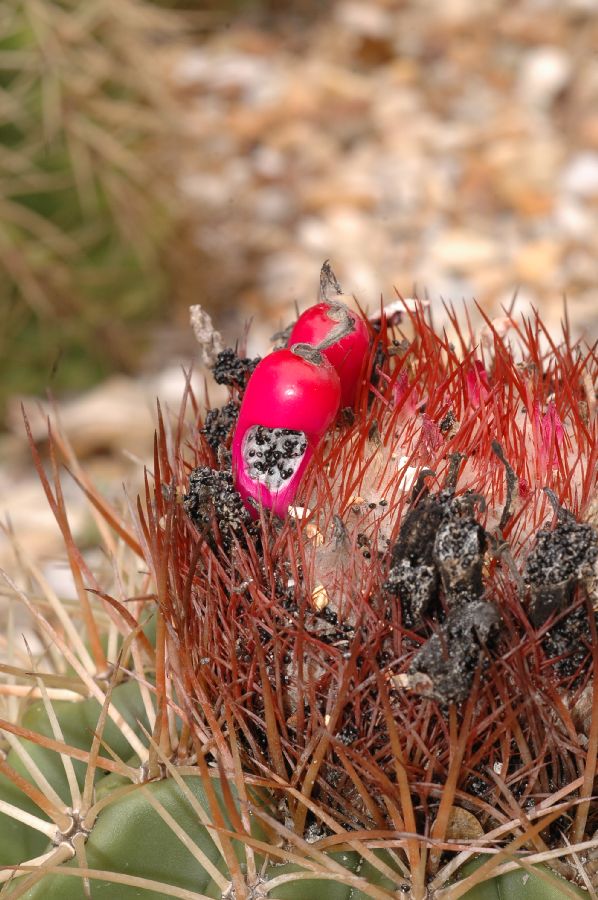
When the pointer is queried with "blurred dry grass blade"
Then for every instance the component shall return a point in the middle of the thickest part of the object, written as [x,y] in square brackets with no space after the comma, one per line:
[89,211]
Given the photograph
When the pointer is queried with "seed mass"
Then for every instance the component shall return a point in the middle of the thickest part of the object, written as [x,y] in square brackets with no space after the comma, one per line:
[273,455]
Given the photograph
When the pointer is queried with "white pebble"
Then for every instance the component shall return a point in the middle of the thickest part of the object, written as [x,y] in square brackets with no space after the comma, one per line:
[408,476]
[544,74]
[581,175]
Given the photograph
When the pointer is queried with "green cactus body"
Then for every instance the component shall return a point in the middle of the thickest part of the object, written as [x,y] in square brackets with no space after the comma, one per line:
[130,837]
[538,884]
[78,721]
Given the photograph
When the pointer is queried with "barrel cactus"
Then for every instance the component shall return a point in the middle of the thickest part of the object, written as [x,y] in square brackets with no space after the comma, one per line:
[377,679]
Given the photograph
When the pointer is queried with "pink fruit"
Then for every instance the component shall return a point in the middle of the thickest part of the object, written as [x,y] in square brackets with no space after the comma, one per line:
[288,405]
[348,354]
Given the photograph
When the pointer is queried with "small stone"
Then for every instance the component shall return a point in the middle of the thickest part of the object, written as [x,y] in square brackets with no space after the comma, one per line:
[364,19]
[538,260]
[581,175]
[408,473]
[320,598]
[544,75]
[299,512]
[463,251]
[463,825]
[314,534]
[356,500]
[412,681]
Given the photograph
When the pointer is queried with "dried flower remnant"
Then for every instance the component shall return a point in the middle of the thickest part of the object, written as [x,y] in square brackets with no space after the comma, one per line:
[561,559]
[440,543]
[440,551]
[451,656]
[209,340]
[413,576]
[459,547]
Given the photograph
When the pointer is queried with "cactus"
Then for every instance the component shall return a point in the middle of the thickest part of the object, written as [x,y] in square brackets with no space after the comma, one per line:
[387,691]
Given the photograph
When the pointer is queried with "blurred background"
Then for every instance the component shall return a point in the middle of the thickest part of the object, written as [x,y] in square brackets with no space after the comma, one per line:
[158,154]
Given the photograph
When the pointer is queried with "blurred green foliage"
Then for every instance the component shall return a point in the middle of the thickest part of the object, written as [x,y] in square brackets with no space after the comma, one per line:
[88,201]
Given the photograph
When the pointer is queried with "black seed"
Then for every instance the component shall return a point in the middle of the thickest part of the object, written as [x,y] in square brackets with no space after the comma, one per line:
[233,370]
[219,423]
[212,498]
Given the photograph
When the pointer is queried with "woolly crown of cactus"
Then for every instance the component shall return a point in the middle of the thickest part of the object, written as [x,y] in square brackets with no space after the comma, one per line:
[398,669]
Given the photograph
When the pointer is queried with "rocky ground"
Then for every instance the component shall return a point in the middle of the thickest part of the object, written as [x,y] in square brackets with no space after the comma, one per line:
[446,149]
[449,148]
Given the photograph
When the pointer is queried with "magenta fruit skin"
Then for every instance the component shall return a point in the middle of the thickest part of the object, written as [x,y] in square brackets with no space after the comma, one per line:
[284,391]
[348,355]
